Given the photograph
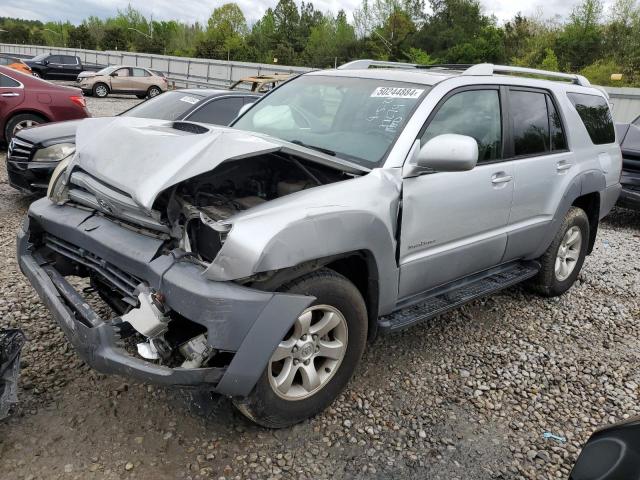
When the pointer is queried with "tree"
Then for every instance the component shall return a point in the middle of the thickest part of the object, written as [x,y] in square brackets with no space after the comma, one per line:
[80,37]
[225,35]
[114,38]
[550,61]
[580,43]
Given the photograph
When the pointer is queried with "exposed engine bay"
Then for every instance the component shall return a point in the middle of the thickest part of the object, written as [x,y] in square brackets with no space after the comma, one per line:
[198,209]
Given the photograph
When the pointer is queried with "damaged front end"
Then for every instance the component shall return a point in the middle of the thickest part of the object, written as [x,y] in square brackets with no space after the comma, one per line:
[147,249]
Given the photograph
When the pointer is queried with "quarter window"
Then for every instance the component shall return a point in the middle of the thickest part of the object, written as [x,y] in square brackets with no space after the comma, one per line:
[530,122]
[558,139]
[6,82]
[475,113]
[596,116]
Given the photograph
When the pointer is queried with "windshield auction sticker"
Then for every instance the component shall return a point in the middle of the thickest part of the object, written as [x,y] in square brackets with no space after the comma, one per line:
[397,92]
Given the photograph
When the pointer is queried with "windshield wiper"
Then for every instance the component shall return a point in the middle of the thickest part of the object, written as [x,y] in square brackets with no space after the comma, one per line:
[313,147]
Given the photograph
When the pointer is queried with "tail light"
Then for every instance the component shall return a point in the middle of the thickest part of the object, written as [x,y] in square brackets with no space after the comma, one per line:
[78,100]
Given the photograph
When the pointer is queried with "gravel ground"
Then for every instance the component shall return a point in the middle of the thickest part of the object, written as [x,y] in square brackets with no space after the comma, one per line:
[467,395]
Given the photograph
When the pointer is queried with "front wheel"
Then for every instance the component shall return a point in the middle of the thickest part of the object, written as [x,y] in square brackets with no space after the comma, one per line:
[315,360]
[562,261]
[100,90]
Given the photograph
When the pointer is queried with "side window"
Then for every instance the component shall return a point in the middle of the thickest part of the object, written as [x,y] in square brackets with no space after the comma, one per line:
[530,122]
[69,60]
[558,139]
[123,72]
[6,82]
[596,116]
[55,59]
[139,72]
[475,113]
[218,112]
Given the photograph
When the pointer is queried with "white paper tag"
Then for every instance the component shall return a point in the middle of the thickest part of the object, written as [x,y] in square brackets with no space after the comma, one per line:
[191,100]
[397,92]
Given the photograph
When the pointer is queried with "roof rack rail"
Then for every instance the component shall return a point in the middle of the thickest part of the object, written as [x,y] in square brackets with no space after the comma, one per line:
[363,64]
[486,69]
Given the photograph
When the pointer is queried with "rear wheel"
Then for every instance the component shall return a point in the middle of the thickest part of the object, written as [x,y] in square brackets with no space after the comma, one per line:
[315,360]
[562,261]
[153,92]
[100,90]
[19,122]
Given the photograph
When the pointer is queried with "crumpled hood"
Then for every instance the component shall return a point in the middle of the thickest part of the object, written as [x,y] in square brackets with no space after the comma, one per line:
[143,157]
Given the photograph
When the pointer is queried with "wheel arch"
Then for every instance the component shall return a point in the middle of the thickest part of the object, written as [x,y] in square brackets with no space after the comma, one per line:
[590,203]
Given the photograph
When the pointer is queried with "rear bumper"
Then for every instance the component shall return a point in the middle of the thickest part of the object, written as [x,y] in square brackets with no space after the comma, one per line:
[630,195]
[249,323]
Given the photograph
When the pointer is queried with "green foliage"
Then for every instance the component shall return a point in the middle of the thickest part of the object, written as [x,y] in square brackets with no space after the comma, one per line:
[454,31]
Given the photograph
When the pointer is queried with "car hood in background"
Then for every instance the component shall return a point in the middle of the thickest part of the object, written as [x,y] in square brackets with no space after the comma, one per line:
[143,157]
[86,74]
[50,133]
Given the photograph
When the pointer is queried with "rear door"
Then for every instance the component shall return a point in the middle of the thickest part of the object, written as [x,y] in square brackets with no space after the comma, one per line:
[11,96]
[71,66]
[454,223]
[544,167]
[140,80]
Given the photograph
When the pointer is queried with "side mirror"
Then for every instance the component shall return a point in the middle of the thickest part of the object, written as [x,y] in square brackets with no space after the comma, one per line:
[448,153]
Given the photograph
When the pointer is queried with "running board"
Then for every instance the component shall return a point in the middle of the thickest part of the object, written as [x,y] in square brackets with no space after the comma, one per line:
[454,295]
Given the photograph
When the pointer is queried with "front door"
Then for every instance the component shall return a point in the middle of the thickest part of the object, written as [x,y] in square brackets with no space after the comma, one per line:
[454,223]
[121,80]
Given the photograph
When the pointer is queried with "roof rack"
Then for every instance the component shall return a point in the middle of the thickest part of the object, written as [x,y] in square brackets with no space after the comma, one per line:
[490,69]
[363,64]
[481,69]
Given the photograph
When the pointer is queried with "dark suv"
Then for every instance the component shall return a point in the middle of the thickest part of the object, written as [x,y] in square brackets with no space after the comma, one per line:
[59,67]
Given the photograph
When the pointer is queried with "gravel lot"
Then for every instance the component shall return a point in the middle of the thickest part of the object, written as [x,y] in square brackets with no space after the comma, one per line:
[467,395]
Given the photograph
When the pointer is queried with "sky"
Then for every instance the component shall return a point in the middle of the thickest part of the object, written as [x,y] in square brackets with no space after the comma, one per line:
[199,10]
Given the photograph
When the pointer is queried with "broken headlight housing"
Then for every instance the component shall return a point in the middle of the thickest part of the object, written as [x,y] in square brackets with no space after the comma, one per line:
[58,192]
[55,153]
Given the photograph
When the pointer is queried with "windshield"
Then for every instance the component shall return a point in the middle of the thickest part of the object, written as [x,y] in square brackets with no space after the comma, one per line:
[106,70]
[353,118]
[168,106]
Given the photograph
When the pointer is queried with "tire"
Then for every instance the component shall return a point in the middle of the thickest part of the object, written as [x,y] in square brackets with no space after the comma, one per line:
[20,121]
[100,90]
[552,281]
[269,407]
[153,92]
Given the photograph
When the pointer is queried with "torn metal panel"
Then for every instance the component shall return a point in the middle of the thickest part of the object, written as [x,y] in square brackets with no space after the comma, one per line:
[358,214]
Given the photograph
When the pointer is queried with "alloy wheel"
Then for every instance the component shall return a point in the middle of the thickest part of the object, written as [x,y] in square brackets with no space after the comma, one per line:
[311,353]
[568,253]
[24,124]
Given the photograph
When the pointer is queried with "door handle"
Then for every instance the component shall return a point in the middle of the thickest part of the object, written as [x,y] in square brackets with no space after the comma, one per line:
[563,166]
[498,178]
[10,94]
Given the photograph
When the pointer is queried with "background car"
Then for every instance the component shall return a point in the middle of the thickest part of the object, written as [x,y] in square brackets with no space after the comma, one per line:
[26,101]
[34,153]
[15,63]
[120,79]
[59,67]
[629,137]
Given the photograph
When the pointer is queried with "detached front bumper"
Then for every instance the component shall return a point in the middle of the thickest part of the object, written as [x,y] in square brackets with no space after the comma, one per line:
[630,195]
[246,322]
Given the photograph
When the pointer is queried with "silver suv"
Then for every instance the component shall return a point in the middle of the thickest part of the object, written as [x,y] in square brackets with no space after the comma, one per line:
[256,261]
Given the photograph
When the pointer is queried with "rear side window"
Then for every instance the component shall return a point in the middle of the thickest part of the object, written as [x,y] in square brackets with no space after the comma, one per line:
[596,116]
[530,123]
[140,72]
[218,112]
[67,60]
[7,82]
[55,59]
